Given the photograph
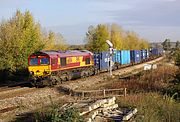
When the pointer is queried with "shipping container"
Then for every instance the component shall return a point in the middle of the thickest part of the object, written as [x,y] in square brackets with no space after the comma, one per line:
[143,54]
[125,57]
[104,60]
[156,51]
[117,56]
[135,56]
[147,53]
[101,60]
[97,60]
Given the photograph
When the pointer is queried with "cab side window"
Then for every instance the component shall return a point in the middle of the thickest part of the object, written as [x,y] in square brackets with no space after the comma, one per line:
[87,60]
[63,61]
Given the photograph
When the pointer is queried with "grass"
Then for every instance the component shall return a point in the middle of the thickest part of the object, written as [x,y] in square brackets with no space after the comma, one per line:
[152,107]
[153,94]
[55,113]
[158,80]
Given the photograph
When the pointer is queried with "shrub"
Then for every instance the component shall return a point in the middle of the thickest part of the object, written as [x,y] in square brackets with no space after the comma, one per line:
[152,107]
[55,114]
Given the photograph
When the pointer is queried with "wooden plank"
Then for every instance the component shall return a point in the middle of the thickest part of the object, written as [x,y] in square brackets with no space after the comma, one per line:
[102,93]
[101,90]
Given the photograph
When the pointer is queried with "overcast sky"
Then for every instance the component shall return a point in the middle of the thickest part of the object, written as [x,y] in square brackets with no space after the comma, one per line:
[154,20]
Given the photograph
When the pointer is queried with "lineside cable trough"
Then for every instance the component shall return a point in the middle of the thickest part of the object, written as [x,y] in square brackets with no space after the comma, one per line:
[104,109]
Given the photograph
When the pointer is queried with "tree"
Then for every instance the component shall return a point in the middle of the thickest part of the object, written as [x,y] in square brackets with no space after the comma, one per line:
[166,44]
[19,37]
[117,36]
[143,44]
[55,42]
[177,57]
[96,38]
[131,41]
[177,45]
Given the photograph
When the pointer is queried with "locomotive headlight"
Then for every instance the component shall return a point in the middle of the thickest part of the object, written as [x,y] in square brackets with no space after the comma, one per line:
[45,72]
[31,73]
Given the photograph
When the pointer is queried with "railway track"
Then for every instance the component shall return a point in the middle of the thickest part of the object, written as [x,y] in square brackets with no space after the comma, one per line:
[24,87]
[12,96]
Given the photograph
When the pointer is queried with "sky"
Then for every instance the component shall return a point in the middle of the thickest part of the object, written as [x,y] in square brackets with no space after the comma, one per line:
[154,20]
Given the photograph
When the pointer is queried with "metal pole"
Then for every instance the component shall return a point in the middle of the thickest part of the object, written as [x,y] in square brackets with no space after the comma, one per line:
[110,58]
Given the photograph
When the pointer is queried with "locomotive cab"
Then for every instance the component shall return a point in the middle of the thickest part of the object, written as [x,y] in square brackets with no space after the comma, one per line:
[39,65]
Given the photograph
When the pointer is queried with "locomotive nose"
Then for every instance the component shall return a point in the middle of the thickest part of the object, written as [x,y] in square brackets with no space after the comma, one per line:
[38,71]
[31,73]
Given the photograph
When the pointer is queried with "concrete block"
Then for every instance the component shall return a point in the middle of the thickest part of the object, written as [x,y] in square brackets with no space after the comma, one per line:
[92,114]
[108,104]
[135,111]
[88,120]
[129,114]
[111,99]
[110,107]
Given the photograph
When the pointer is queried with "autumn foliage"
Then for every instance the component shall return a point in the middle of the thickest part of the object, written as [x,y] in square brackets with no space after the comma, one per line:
[122,40]
[19,37]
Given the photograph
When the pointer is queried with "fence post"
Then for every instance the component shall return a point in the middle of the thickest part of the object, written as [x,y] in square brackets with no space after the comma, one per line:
[125,92]
[104,93]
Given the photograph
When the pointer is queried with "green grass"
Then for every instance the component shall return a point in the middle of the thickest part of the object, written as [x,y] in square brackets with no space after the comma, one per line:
[55,113]
[152,107]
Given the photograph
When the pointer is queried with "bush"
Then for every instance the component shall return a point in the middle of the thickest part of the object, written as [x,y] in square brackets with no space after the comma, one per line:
[152,107]
[55,114]
[177,57]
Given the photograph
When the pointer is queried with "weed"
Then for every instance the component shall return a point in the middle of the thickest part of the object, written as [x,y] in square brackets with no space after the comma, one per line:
[55,113]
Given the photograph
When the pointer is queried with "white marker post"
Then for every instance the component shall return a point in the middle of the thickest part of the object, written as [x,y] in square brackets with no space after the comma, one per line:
[110,57]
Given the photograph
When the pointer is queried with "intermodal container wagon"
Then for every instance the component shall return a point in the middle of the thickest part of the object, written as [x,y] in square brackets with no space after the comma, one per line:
[143,54]
[117,56]
[135,56]
[147,53]
[97,60]
[101,60]
[156,51]
[125,57]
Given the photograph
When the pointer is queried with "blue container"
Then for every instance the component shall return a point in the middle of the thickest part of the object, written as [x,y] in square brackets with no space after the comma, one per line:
[135,56]
[154,52]
[101,60]
[125,57]
[104,60]
[117,56]
[147,53]
[97,60]
[143,54]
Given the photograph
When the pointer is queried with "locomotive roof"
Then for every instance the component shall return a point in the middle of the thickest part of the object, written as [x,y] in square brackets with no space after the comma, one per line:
[66,53]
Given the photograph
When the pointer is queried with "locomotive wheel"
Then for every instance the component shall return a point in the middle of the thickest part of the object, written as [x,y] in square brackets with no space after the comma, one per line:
[83,74]
[96,71]
[69,76]
[39,84]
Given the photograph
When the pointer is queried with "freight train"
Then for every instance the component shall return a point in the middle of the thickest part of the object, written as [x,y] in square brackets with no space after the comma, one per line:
[52,67]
